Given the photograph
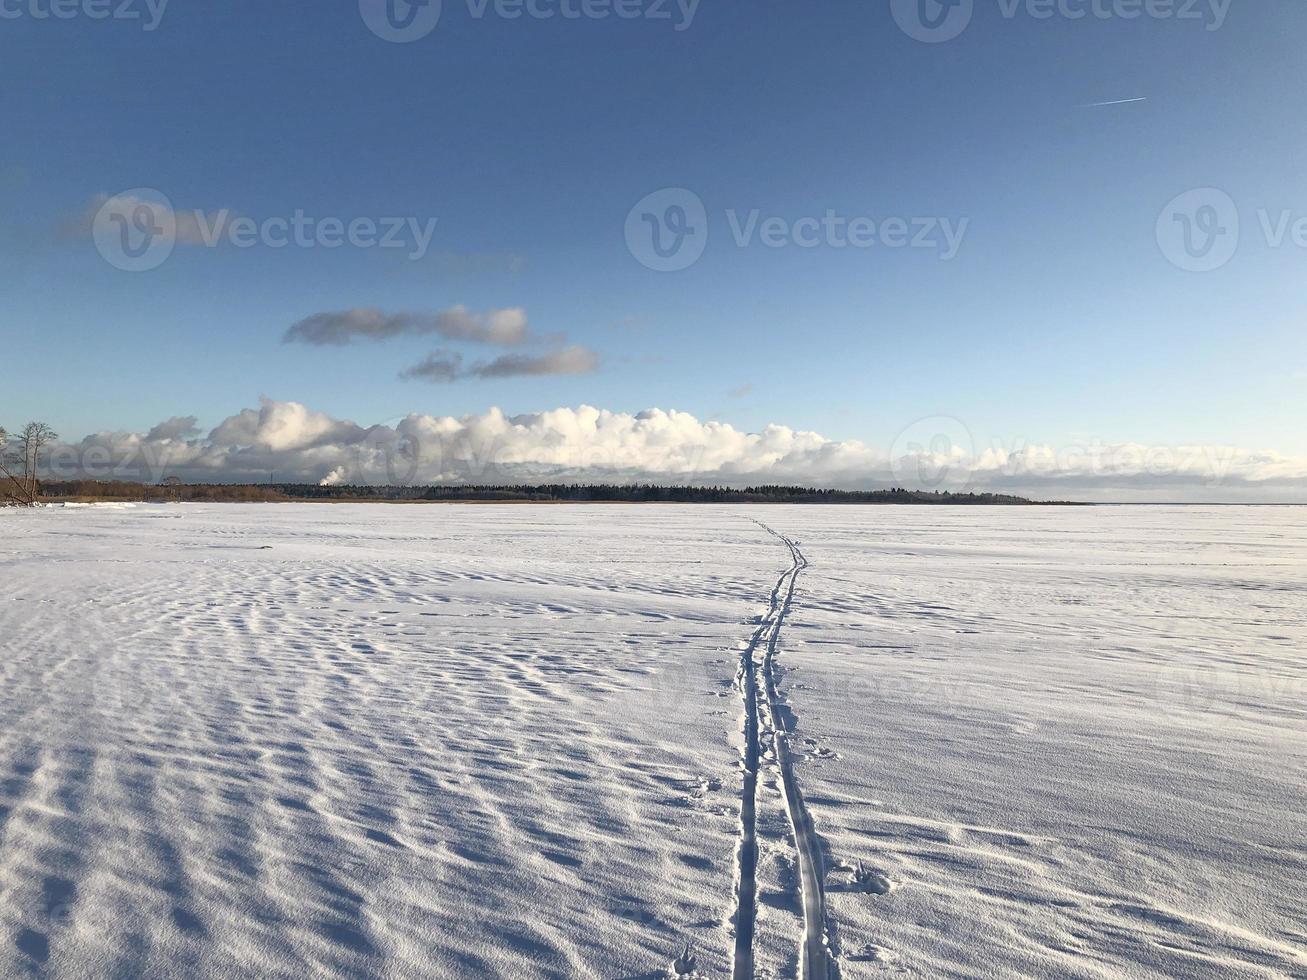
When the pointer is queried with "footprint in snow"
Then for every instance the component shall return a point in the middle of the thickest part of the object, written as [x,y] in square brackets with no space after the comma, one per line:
[863,879]
[642,916]
[821,752]
[871,953]
[685,964]
[872,882]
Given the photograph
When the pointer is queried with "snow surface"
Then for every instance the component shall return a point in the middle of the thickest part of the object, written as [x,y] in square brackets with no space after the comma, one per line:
[507,741]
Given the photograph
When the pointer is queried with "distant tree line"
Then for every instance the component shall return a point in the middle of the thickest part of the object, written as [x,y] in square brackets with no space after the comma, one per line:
[173,490]
[170,490]
[642,493]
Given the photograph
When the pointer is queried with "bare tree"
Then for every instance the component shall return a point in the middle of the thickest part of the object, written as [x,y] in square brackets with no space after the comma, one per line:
[34,437]
[11,487]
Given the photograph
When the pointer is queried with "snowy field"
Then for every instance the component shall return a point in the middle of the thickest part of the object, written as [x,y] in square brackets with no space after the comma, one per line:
[565,741]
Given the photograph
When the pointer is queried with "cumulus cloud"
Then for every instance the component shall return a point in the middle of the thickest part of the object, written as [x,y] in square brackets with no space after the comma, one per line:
[178,427]
[504,327]
[443,366]
[282,427]
[298,444]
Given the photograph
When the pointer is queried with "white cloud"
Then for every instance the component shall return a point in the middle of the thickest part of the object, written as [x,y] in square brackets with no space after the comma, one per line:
[282,427]
[586,443]
[178,427]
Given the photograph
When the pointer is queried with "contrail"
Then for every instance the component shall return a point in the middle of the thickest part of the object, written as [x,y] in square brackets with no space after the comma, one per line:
[1096,105]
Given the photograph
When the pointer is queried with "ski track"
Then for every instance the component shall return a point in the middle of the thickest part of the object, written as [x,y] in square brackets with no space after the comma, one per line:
[754,678]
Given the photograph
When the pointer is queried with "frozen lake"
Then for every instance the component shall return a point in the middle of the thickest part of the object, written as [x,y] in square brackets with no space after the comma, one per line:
[517,741]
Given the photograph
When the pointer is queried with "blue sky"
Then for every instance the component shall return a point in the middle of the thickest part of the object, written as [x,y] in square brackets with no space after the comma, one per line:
[1059,319]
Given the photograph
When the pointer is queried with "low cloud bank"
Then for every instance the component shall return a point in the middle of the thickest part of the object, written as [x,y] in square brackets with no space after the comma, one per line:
[288,442]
